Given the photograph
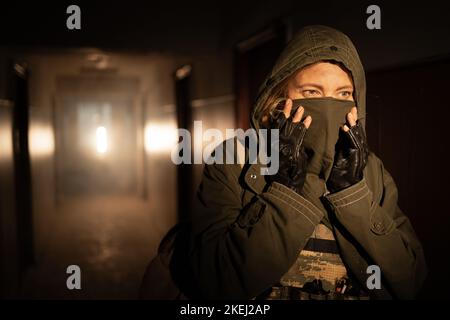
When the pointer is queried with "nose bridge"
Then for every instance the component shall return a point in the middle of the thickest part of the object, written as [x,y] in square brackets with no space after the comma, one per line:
[330,94]
[329,83]
[329,89]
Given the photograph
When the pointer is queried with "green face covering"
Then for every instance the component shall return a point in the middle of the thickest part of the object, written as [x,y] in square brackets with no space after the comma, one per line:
[328,115]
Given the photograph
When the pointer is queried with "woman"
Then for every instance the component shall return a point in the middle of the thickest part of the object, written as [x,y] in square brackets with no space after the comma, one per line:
[312,229]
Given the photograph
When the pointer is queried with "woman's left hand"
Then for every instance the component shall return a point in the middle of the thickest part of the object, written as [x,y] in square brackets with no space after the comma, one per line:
[351,155]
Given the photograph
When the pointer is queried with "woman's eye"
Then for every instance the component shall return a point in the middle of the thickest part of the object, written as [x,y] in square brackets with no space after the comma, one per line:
[345,94]
[310,93]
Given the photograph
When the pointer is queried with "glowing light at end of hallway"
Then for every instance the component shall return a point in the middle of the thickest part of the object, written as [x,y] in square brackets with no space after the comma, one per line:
[102,140]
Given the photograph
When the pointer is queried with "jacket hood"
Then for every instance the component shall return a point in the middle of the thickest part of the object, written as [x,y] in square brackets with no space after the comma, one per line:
[310,45]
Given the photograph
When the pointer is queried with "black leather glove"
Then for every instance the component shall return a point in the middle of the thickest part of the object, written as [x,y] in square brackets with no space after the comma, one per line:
[292,156]
[350,159]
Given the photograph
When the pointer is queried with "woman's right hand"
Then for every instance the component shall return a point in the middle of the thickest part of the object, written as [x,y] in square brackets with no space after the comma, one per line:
[292,156]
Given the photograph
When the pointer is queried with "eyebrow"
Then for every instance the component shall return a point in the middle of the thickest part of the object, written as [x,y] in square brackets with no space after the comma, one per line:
[321,87]
[344,87]
[310,85]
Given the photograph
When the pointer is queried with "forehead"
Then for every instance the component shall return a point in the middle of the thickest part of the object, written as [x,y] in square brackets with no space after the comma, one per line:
[323,72]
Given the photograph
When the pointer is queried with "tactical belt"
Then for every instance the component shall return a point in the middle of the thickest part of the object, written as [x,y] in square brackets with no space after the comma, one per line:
[293,293]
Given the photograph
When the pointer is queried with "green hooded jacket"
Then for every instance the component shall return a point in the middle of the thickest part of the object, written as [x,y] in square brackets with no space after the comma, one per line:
[245,234]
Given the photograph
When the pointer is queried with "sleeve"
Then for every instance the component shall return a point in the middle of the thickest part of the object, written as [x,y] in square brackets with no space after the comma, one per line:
[237,252]
[383,231]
